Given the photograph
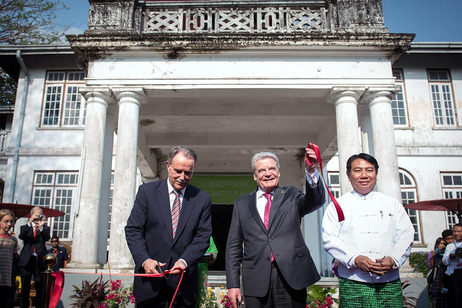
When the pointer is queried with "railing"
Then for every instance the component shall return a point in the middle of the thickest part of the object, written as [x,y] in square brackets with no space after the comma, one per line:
[234,20]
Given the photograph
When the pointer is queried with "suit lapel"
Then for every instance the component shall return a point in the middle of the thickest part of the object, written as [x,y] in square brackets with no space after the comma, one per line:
[278,196]
[253,210]
[186,210]
[164,205]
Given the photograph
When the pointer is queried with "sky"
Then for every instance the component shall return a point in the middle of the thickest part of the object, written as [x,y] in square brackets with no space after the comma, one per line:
[430,20]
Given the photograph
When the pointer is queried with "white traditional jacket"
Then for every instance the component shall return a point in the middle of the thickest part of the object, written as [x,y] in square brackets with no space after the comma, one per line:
[375,226]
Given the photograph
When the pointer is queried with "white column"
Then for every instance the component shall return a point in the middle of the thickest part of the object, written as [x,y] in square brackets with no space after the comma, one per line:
[106,176]
[348,138]
[125,175]
[384,142]
[85,241]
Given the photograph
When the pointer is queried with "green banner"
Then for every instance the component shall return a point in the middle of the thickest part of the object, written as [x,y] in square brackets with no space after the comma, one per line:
[224,189]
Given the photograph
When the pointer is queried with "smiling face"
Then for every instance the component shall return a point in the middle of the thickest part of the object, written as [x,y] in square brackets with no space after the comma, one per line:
[363,176]
[180,171]
[266,174]
[457,231]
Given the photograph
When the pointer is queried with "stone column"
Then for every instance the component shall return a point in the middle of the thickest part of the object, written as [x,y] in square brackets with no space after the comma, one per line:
[85,241]
[125,175]
[384,141]
[348,137]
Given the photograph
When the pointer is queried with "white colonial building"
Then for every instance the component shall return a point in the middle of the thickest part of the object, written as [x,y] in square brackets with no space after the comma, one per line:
[96,118]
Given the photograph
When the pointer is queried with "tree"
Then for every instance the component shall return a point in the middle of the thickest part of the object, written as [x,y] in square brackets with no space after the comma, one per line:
[25,22]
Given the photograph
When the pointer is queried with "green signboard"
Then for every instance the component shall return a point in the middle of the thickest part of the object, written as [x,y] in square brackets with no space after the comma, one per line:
[224,189]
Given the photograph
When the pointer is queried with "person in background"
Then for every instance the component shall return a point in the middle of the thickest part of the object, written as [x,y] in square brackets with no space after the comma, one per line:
[447,236]
[436,270]
[8,249]
[60,254]
[452,258]
[34,235]
[371,243]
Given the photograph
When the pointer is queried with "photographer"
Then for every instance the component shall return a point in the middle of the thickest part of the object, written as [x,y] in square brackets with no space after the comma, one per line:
[452,258]
[34,234]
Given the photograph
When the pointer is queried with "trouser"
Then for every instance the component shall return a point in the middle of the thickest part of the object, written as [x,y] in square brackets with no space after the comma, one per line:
[32,268]
[280,294]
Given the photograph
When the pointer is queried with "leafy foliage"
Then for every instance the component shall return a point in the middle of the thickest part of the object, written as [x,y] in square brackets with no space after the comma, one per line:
[118,296]
[7,89]
[27,22]
[320,297]
[418,260]
[91,295]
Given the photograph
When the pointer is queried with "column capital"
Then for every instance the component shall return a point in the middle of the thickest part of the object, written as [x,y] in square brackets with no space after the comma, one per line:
[373,94]
[129,94]
[337,94]
[97,95]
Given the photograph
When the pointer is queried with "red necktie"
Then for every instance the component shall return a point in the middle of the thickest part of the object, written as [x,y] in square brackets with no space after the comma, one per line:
[267,215]
[35,233]
[175,212]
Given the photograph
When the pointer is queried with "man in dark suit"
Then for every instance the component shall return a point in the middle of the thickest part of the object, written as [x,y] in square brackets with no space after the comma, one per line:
[170,225]
[34,234]
[265,238]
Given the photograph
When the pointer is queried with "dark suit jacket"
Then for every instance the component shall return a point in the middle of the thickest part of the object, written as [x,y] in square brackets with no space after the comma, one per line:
[149,235]
[284,238]
[27,235]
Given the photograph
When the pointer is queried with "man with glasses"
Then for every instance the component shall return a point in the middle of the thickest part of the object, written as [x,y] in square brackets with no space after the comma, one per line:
[59,252]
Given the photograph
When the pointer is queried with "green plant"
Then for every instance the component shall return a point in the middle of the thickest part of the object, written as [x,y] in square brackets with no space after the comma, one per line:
[117,296]
[90,295]
[418,260]
[211,299]
[320,297]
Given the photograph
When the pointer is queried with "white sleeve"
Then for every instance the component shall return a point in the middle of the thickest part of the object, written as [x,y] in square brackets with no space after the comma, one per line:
[404,236]
[331,238]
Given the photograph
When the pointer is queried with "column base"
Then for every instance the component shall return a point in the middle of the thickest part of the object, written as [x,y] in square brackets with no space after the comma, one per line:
[80,265]
[118,267]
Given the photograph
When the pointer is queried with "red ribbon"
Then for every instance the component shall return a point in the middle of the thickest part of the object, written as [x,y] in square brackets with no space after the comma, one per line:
[59,283]
[57,289]
[315,148]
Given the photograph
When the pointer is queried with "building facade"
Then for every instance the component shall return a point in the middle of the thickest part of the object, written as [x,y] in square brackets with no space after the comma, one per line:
[96,118]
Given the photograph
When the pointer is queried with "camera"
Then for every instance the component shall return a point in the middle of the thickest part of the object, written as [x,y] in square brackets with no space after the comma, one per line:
[41,216]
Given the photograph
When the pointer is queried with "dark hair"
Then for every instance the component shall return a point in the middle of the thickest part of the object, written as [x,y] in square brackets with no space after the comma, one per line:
[457,225]
[446,233]
[55,238]
[437,242]
[187,152]
[369,158]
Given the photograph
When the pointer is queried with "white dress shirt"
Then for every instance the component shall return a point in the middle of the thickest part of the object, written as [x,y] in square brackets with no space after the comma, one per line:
[452,265]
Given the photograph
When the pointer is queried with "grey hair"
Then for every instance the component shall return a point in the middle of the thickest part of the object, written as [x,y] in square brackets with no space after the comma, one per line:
[35,209]
[261,155]
[187,152]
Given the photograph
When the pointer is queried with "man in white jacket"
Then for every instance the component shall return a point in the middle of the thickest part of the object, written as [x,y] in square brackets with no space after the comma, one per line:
[371,243]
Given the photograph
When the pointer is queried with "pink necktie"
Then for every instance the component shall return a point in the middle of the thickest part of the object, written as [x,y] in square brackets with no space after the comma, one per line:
[267,215]
[175,212]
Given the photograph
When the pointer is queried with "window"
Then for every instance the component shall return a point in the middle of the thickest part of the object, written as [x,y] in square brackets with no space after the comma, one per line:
[62,104]
[452,189]
[57,190]
[409,195]
[441,95]
[334,183]
[398,103]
